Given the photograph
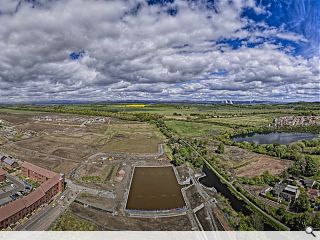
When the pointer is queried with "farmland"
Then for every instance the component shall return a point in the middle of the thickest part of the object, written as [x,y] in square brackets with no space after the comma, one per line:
[195,129]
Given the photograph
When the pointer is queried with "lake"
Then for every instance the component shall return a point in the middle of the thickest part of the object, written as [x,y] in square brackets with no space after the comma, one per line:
[274,137]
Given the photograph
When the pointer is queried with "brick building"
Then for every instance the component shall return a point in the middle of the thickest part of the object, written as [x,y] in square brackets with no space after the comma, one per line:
[51,184]
[2,175]
[36,173]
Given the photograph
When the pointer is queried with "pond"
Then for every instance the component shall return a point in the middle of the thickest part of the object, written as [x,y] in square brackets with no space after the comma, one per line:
[154,189]
[274,137]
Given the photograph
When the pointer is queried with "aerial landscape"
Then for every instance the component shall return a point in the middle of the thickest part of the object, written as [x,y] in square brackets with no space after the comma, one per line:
[164,166]
[160,115]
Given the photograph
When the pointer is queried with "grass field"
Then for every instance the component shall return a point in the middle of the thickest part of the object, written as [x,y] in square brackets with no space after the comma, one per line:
[185,109]
[241,162]
[70,222]
[250,121]
[132,138]
[195,129]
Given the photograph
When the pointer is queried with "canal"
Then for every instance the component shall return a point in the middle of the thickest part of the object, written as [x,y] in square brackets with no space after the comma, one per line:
[212,180]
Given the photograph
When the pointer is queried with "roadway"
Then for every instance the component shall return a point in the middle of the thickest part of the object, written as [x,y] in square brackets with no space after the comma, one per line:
[19,186]
[44,217]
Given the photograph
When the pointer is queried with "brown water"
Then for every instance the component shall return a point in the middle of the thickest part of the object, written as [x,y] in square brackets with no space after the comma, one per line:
[154,188]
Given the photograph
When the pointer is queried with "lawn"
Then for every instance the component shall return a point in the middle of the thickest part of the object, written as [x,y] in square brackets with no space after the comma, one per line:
[195,129]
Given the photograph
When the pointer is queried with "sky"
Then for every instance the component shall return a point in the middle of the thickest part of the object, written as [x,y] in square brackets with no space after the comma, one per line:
[164,50]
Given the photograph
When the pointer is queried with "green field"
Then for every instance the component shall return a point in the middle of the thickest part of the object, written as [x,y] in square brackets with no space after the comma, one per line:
[185,110]
[195,129]
[249,121]
[70,222]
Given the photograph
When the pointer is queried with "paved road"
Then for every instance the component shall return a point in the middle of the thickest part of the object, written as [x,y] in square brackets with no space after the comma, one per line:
[44,217]
[19,186]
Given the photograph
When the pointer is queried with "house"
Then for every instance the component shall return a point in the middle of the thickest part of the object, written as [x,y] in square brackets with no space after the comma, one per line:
[265,191]
[313,194]
[10,163]
[277,189]
[308,183]
[2,175]
[287,192]
[290,193]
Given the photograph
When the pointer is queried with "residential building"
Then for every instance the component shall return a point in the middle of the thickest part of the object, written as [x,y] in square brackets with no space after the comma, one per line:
[290,193]
[287,192]
[51,184]
[308,183]
[313,194]
[10,163]
[36,173]
[2,175]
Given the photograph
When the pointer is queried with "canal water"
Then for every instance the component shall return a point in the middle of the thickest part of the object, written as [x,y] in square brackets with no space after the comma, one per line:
[212,180]
[274,137]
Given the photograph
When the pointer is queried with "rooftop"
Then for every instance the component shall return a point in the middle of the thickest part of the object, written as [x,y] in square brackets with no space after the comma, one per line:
[2,172]
[11,209]
[50,182]
[33,197]
[9,161]
[39,170]
[291,188]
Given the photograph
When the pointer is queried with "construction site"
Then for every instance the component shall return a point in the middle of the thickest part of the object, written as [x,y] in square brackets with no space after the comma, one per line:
[118,175]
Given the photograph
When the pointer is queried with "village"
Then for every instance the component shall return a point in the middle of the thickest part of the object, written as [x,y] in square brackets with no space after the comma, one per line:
[293,121]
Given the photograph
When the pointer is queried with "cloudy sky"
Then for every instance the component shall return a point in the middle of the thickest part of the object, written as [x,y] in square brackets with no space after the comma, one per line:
[159,50]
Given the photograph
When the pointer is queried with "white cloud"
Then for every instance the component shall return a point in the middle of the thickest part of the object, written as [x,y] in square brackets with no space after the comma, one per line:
[146,54]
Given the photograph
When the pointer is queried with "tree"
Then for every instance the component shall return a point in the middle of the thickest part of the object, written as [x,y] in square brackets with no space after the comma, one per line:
[257,222]
[316,221]
[311,167]
[296,168]
[220,148]
[281,211]
[299,222]
[245,223]
[302,204]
